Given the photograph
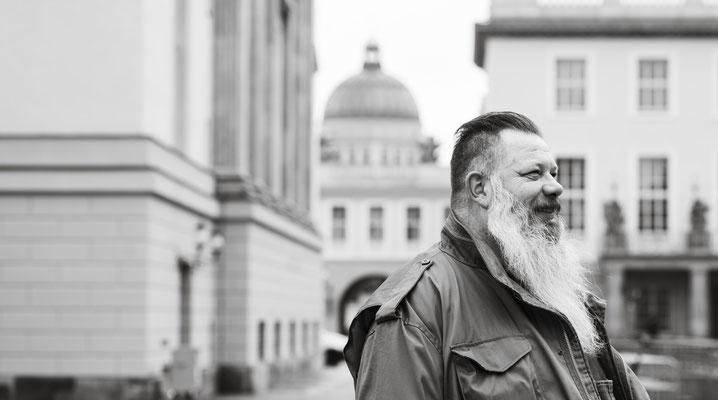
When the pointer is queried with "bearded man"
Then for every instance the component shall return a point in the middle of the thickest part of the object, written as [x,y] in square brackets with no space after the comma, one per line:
[500,308]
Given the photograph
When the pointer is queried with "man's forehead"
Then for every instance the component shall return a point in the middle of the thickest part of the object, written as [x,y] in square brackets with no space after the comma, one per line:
[524,147]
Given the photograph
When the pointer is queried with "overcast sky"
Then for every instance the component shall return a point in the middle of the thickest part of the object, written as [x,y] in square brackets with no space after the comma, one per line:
[426,44]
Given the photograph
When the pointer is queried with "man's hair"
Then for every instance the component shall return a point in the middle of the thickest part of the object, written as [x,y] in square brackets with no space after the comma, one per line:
[475,145]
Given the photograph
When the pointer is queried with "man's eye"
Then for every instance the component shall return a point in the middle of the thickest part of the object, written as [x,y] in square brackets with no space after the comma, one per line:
[533,174]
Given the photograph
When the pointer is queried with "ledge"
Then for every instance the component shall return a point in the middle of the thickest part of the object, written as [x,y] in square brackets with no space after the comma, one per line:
[98,164]
[244,201]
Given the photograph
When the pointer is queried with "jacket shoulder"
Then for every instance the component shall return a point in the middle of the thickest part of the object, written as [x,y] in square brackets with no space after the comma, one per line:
[384,303]
[387,298]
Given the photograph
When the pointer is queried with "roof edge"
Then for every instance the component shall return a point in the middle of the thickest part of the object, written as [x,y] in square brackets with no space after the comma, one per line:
[568,27]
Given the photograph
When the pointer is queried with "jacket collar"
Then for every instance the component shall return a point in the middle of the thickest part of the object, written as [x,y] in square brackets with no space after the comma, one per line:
[456,241]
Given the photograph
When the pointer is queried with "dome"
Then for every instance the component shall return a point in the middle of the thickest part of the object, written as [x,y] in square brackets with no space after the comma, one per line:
[371,94]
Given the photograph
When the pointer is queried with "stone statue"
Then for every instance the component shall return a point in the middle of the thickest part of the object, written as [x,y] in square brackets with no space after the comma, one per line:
[615,238]
[698,216]
[428,150]
[698,237]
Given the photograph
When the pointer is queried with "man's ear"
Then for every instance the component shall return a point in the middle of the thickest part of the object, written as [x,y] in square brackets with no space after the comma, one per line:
[478,188]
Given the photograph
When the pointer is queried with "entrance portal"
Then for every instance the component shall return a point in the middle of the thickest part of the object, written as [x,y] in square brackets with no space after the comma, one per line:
[659,300]
[713,305]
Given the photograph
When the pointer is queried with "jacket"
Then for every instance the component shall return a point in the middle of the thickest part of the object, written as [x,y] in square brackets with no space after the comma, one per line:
[451,324]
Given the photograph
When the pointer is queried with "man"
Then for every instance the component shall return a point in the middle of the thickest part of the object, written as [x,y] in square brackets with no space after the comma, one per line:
[500,307]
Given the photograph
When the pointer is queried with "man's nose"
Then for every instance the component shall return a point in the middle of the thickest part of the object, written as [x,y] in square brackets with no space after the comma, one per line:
[552,188]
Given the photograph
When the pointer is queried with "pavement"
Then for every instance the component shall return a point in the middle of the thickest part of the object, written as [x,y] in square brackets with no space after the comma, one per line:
[333,383]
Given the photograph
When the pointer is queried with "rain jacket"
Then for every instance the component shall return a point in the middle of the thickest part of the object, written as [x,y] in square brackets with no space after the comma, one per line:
[453,325]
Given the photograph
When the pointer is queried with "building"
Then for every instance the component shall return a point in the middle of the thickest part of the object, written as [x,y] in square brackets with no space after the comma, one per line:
[154,198]
[626,94]
[383,198]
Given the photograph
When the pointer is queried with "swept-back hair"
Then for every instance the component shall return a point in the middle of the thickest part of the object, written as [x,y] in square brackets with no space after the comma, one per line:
[475,145]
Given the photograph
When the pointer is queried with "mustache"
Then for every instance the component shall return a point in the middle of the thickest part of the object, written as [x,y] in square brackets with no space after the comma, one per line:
[551,205]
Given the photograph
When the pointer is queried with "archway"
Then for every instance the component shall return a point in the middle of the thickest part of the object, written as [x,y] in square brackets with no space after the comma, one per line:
[354,297]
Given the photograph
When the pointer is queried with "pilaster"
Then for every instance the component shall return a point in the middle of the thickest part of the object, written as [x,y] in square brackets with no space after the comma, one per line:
[699,302]
[615,307]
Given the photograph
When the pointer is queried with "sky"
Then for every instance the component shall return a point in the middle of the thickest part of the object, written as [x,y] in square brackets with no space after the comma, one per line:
[428,45]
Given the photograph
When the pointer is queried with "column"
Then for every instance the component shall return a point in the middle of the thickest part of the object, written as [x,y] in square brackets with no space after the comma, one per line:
[243,116]
[290,107]
[260,92]
[615,317]
[276,88]
[232,69]
[699,309]
[305,63]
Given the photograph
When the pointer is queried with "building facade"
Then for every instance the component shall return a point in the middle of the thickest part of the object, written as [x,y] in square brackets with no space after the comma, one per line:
[626,94]
[152,239]
[383,198]
[271,276]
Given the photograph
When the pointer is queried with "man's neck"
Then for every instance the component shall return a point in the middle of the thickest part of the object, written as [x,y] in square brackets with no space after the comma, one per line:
[475,225]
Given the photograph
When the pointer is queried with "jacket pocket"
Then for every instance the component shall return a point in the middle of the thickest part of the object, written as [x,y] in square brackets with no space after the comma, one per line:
[498,368]
[605,389]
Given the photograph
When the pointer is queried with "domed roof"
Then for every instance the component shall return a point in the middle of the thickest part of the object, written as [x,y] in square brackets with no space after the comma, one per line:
[371,94]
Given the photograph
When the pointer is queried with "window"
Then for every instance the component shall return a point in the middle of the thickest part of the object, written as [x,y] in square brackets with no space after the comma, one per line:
[413,219]
[292,338]
[185,296]
[376,223]
[570,84]
[653,84]
[315,336]
[653,197]
[571,175]
[339,221]
[305,337]
[277,340]
[260,341]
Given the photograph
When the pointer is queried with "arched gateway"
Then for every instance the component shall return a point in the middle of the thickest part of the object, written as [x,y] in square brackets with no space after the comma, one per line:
[354,297]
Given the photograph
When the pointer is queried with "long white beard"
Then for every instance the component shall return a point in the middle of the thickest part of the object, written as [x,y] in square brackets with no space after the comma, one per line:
[543,260]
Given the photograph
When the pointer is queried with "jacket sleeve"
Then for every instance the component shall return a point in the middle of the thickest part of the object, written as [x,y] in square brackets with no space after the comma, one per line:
[400,361]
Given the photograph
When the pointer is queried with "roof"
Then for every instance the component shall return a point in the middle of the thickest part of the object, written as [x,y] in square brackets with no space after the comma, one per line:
[371,94]
[591,27]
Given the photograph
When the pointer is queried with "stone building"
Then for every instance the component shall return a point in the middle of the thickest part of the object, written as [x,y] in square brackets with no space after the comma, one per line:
[626,94]
[154,198]
[383,198]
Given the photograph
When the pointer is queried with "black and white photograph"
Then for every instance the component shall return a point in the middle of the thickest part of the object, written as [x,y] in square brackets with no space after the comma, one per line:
[358,200]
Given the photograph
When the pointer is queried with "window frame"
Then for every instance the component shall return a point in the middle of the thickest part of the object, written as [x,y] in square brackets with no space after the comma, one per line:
[654,195]
[334,228]
[379,227]
[413,224]
[552,60]
[671,87]
[571,194]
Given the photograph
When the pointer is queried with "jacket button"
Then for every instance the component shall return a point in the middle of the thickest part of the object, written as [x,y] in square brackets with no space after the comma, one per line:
[425,261]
